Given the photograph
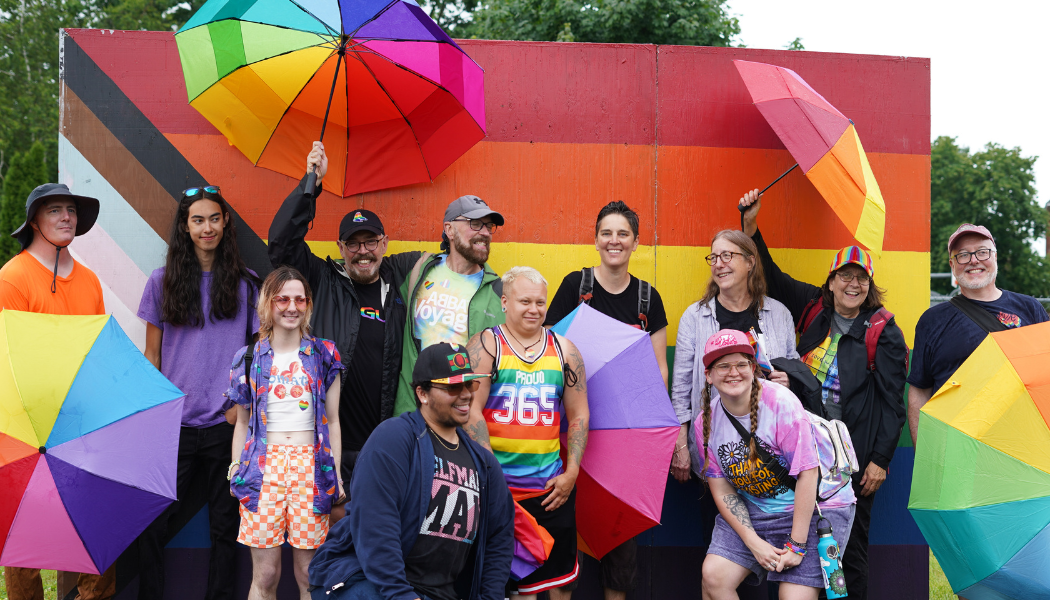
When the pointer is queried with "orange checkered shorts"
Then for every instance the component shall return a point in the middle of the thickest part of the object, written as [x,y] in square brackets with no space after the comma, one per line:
[286,502]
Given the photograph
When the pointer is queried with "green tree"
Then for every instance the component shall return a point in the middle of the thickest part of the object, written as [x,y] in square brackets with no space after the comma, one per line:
[684,22]
[994,187]
[28,169]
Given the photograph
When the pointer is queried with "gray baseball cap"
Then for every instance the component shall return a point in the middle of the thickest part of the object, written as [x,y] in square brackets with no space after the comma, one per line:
[471,207]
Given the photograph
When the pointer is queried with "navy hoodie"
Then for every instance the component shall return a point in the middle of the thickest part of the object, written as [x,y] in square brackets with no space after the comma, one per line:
[391,492]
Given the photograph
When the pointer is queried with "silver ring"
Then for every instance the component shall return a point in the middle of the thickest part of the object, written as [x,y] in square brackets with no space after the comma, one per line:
[772,565]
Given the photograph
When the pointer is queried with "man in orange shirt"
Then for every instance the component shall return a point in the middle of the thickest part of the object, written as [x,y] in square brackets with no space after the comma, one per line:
[43,279]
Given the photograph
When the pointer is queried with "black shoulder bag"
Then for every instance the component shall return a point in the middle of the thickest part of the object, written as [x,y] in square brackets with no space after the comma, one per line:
[978,315]
[765,459]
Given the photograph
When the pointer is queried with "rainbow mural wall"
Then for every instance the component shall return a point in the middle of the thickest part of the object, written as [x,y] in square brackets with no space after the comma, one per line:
[668,129]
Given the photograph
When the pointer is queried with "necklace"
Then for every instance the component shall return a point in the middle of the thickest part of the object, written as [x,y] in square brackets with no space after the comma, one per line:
[529,352]
[441,440]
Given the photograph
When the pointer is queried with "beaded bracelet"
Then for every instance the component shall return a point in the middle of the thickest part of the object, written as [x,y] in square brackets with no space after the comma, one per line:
[790,545]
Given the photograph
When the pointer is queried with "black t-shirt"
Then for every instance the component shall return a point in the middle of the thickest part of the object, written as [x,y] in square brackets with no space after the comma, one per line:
[450,526]
[740,321]
[623,306]
[359,411]
[945,337]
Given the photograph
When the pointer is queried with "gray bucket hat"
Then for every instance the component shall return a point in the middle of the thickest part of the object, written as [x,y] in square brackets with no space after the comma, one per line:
[87,210]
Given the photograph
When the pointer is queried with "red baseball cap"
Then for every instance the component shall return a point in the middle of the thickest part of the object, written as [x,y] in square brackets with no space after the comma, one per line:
[969,228]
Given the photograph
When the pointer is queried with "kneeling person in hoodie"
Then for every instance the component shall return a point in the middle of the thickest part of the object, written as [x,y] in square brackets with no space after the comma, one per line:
[431,516]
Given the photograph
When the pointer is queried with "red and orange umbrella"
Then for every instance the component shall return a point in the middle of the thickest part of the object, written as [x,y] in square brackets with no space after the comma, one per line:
[825,144]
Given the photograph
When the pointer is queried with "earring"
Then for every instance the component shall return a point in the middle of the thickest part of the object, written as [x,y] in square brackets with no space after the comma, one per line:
[423,401]
[504,309]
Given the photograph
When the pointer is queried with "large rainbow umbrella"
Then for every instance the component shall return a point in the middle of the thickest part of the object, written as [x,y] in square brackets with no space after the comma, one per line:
[633,429]
[981,486]
[397,99]
[89,439]
[825,144]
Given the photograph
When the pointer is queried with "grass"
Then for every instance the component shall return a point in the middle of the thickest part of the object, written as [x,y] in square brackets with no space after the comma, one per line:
[939,587]
[50,585]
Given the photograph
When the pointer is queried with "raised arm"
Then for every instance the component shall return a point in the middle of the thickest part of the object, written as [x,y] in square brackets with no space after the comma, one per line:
[780,286]
[287,236]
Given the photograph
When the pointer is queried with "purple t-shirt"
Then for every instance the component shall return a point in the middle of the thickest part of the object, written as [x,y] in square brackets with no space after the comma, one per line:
[197,359]
[784,431]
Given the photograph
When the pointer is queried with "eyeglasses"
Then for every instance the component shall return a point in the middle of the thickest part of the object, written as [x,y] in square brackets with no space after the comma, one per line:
[282,302]
[477,224]
[724,368]
[456,389]
[369,245]
[964,258]
[726,257]
[196,191]
[846,277]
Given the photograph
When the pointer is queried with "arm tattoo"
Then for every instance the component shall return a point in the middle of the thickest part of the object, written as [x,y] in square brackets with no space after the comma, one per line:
[579,378]
[738,509]
[479,432]
[577,439]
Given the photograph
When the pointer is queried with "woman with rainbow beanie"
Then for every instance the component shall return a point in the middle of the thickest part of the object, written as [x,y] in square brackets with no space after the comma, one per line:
[855,348]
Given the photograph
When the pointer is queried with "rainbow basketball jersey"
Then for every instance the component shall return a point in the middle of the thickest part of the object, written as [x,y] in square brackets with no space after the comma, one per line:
[523,413]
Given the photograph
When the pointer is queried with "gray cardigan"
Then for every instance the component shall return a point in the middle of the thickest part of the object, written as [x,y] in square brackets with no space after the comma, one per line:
[699,323]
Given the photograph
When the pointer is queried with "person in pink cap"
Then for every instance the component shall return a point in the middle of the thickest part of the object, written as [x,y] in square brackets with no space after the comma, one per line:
[760,462]
[949,332]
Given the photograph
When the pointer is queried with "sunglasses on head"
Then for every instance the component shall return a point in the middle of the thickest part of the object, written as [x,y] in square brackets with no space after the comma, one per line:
[212,190]
[282,302]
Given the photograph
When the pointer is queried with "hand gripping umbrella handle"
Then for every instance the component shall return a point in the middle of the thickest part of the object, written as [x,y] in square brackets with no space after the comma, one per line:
[743,209]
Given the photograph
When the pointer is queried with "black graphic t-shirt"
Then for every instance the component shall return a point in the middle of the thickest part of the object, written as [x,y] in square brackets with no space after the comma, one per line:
[450,526]
[623,306]
[359,411]
[740,321]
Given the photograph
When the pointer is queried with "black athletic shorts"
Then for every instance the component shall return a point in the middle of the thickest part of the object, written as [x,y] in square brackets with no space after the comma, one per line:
[561,567]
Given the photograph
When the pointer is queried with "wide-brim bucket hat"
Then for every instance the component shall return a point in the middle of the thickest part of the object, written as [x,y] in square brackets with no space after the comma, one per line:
[87,210]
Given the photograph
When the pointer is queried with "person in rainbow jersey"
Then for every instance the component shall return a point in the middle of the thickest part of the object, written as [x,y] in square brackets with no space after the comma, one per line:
[517,414]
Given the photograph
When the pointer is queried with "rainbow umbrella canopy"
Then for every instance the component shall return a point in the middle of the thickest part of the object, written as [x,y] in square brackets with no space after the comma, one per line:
[89,437]
[633,429]
[397,99]
[824,143]
[981,486]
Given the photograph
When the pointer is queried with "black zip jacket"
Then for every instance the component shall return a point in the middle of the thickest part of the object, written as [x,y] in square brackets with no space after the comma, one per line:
[872,402]
[337,310]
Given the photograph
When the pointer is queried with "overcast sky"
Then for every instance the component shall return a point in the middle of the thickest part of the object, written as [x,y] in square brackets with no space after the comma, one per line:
[990,61]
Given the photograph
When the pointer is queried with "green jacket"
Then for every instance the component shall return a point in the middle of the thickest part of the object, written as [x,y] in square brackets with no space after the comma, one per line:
[485,310]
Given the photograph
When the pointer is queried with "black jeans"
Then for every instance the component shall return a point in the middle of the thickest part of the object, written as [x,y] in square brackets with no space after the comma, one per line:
[204,457]
[855,557]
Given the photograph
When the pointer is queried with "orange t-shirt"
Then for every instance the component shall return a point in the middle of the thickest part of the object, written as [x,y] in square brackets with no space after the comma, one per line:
[25,285]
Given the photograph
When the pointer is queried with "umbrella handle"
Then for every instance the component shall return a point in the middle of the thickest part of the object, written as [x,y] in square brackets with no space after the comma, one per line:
[743,209]
[311,178]
[311,181]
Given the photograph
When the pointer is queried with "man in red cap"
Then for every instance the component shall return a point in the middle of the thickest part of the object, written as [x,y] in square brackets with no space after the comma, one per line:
[949,332]
[44,279]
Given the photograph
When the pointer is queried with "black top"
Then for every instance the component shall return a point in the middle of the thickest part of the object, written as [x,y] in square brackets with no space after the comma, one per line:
[450,525]
[359,410]
[623,306]
[744,320]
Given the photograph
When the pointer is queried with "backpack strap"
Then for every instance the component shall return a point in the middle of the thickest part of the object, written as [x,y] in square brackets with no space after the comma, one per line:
[813,308]
[644,294]
[586,286]
[766,459]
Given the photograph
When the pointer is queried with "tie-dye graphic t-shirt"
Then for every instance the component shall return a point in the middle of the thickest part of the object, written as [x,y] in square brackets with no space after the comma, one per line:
[442,304]
[450,525]
[824,362]
[785,433]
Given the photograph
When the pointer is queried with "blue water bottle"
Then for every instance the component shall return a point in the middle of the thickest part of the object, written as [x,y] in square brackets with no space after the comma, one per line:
[830,562]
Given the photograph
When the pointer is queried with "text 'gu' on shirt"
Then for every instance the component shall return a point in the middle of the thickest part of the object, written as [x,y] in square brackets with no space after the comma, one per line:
[360,408]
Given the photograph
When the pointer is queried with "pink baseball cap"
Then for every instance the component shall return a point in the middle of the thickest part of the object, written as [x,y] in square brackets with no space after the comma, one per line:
[969,228]
[723,342]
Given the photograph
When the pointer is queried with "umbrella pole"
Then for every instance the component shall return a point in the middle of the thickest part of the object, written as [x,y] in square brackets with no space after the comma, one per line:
[782,175]
[311,179]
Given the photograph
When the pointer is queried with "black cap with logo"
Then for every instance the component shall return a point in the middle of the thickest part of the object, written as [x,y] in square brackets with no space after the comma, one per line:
[444,363]
[359,220]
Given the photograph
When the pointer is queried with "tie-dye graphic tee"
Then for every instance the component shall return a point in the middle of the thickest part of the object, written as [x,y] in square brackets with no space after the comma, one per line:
[523,413]
[442,304]
[824,362]
[783,430]
[450,525]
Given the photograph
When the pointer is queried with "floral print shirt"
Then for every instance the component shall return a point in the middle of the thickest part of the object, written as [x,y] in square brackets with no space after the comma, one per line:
[321,363]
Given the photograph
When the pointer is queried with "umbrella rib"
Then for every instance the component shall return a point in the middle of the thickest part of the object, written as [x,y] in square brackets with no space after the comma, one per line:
[316,18]
[373,17]
[400,112]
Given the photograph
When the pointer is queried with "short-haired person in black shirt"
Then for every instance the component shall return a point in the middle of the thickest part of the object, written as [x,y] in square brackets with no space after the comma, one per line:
[611,290]
[946,336]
